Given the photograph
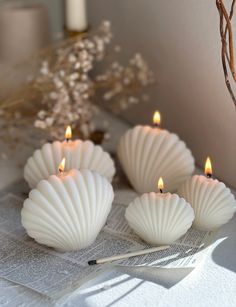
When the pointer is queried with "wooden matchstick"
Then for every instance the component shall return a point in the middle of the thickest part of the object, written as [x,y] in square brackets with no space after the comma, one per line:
[132,254]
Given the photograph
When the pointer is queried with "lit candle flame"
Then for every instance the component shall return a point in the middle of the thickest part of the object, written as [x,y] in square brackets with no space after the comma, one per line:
[68,133]
[61,166]
[160,184]
[208,167]
[157,118]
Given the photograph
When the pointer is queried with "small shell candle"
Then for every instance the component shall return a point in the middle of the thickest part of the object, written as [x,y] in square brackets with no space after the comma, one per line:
[68,211]
[147,152]
[159,218]
[79,155]
[212,201]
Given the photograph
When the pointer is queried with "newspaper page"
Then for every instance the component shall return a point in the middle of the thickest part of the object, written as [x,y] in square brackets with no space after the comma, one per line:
[55,274]
[42,269]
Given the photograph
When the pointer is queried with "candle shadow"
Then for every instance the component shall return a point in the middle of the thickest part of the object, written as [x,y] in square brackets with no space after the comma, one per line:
[126,282]
[19,188]
[166,278]
[224,253]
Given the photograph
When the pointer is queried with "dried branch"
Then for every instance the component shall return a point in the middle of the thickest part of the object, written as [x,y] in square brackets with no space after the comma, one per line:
[226,31]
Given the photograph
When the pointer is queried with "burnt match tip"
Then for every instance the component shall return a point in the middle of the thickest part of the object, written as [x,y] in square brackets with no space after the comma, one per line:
[92,262]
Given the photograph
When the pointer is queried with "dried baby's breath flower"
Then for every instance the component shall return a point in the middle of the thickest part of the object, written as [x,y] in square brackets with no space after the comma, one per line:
[67,84]
[40,124]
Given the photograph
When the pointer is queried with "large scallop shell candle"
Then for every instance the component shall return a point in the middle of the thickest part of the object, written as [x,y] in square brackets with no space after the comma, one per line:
[147,153]
[79,155]
[159,218]
[212,202]
[68,211]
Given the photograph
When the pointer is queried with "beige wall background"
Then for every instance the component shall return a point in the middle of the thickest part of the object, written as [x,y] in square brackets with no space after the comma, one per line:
[180,40]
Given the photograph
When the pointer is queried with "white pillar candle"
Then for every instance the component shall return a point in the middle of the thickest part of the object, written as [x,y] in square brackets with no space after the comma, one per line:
[79,155]
[76,16]
[212,201]
[159,218]
[68,210]
[146,153]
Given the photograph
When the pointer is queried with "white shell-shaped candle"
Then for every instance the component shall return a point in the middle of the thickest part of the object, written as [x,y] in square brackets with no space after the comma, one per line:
[147,153]
[159,218]
[79,155]
[68,211]
[212,201]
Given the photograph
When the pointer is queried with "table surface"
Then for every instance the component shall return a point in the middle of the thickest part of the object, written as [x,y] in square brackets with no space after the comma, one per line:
[212,282]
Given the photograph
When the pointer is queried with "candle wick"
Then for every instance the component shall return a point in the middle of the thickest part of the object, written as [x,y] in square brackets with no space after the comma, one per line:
[67,140]
[209,175]
[156,125]
[161,191]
